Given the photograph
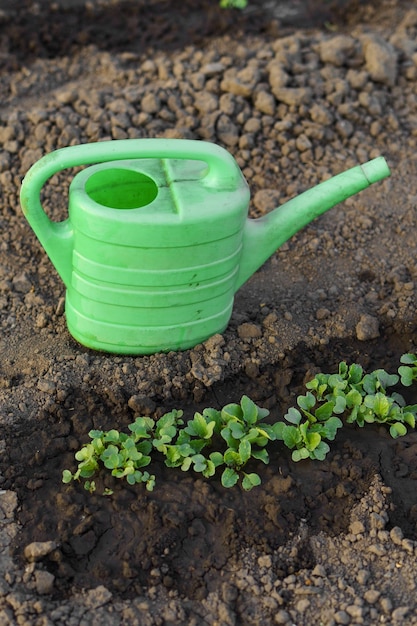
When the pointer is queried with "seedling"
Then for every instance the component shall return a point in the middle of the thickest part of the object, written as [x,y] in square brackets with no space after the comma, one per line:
[233,436]
[408,371]
[238,426]
[233,4]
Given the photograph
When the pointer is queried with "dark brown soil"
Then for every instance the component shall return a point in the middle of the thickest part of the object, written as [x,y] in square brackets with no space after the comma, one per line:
[330,542]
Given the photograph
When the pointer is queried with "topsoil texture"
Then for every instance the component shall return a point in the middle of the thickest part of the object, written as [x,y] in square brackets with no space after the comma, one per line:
[297,92]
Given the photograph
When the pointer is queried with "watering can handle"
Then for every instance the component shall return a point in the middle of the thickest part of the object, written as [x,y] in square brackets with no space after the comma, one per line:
[56,237]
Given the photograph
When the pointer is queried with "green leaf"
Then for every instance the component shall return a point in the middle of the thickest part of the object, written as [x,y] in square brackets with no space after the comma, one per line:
[141,427]
[279,428]
[229,477]
[112,436]
[245,451]
[299,455]
[321,451]
[210,469]
[312,440]
[237,429]
[409,418]
[90,486]
[336,382]
[407,374]
[386,380]
[199,462]
[261,455]
[343,369]
[306,402]
[293,416]
[228,437]
[409,359]
[379,403]
[87,469]
[66,476]
[96,434]
[250,480]
[331,427]
[197,427]
[231,412]
[186,464]
[324,411]
[397,430]
[339,404]
[355,373]
[250,410]
[216,458]
[291,436]
[353,398]
[232,458]
[111,457]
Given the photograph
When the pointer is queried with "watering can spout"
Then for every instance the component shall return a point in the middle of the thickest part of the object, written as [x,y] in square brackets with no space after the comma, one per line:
[263,236]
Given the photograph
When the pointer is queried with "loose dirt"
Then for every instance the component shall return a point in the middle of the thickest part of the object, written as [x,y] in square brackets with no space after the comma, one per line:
[297,92]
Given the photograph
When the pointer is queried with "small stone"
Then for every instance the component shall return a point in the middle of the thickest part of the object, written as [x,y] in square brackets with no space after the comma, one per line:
[265,561]
[303,143]
[47,386]
[341,617]
[377,521]
[206,102]
[282,617]
[396,535]
[321,115]
[8,504]
[44,582]
[337,50]
[150,103]
[265,103]
[381,59]
[357,528]
[98,597]
[37,550]
[320,571]
[367,328]
[322,314]
[377,549]
[386,604]
[248,330]
[60,307]
[400,613]
[302,605]
[21,283]
[266,200]
[293,96]
[408,545]
[363,576]
[211,69]
[371,595]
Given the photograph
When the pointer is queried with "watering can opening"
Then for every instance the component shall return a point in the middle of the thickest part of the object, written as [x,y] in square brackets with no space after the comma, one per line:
[120,188]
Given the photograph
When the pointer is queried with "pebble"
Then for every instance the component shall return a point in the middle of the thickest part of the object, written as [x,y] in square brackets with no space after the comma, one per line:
[337,50]
[247,331]
[380,59]
[44,582]
[38,550]
[367,328]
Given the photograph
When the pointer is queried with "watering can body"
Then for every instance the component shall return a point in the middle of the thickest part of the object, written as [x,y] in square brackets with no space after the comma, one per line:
[157,239]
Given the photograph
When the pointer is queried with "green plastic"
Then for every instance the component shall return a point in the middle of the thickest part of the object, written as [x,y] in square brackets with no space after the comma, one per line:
[158,241]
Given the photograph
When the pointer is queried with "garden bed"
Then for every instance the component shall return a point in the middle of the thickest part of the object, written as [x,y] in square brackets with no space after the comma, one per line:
[331,542]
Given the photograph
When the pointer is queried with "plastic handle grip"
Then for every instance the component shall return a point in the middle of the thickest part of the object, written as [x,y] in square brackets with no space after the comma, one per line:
[55,237]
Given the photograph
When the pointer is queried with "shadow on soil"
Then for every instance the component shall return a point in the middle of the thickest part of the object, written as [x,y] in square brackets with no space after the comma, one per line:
[140,25]
[188,531]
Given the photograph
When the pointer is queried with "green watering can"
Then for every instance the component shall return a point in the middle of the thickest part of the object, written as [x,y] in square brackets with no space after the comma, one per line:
[158,240]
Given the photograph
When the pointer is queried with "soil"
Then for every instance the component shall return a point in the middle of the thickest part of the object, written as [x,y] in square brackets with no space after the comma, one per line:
[297,92]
